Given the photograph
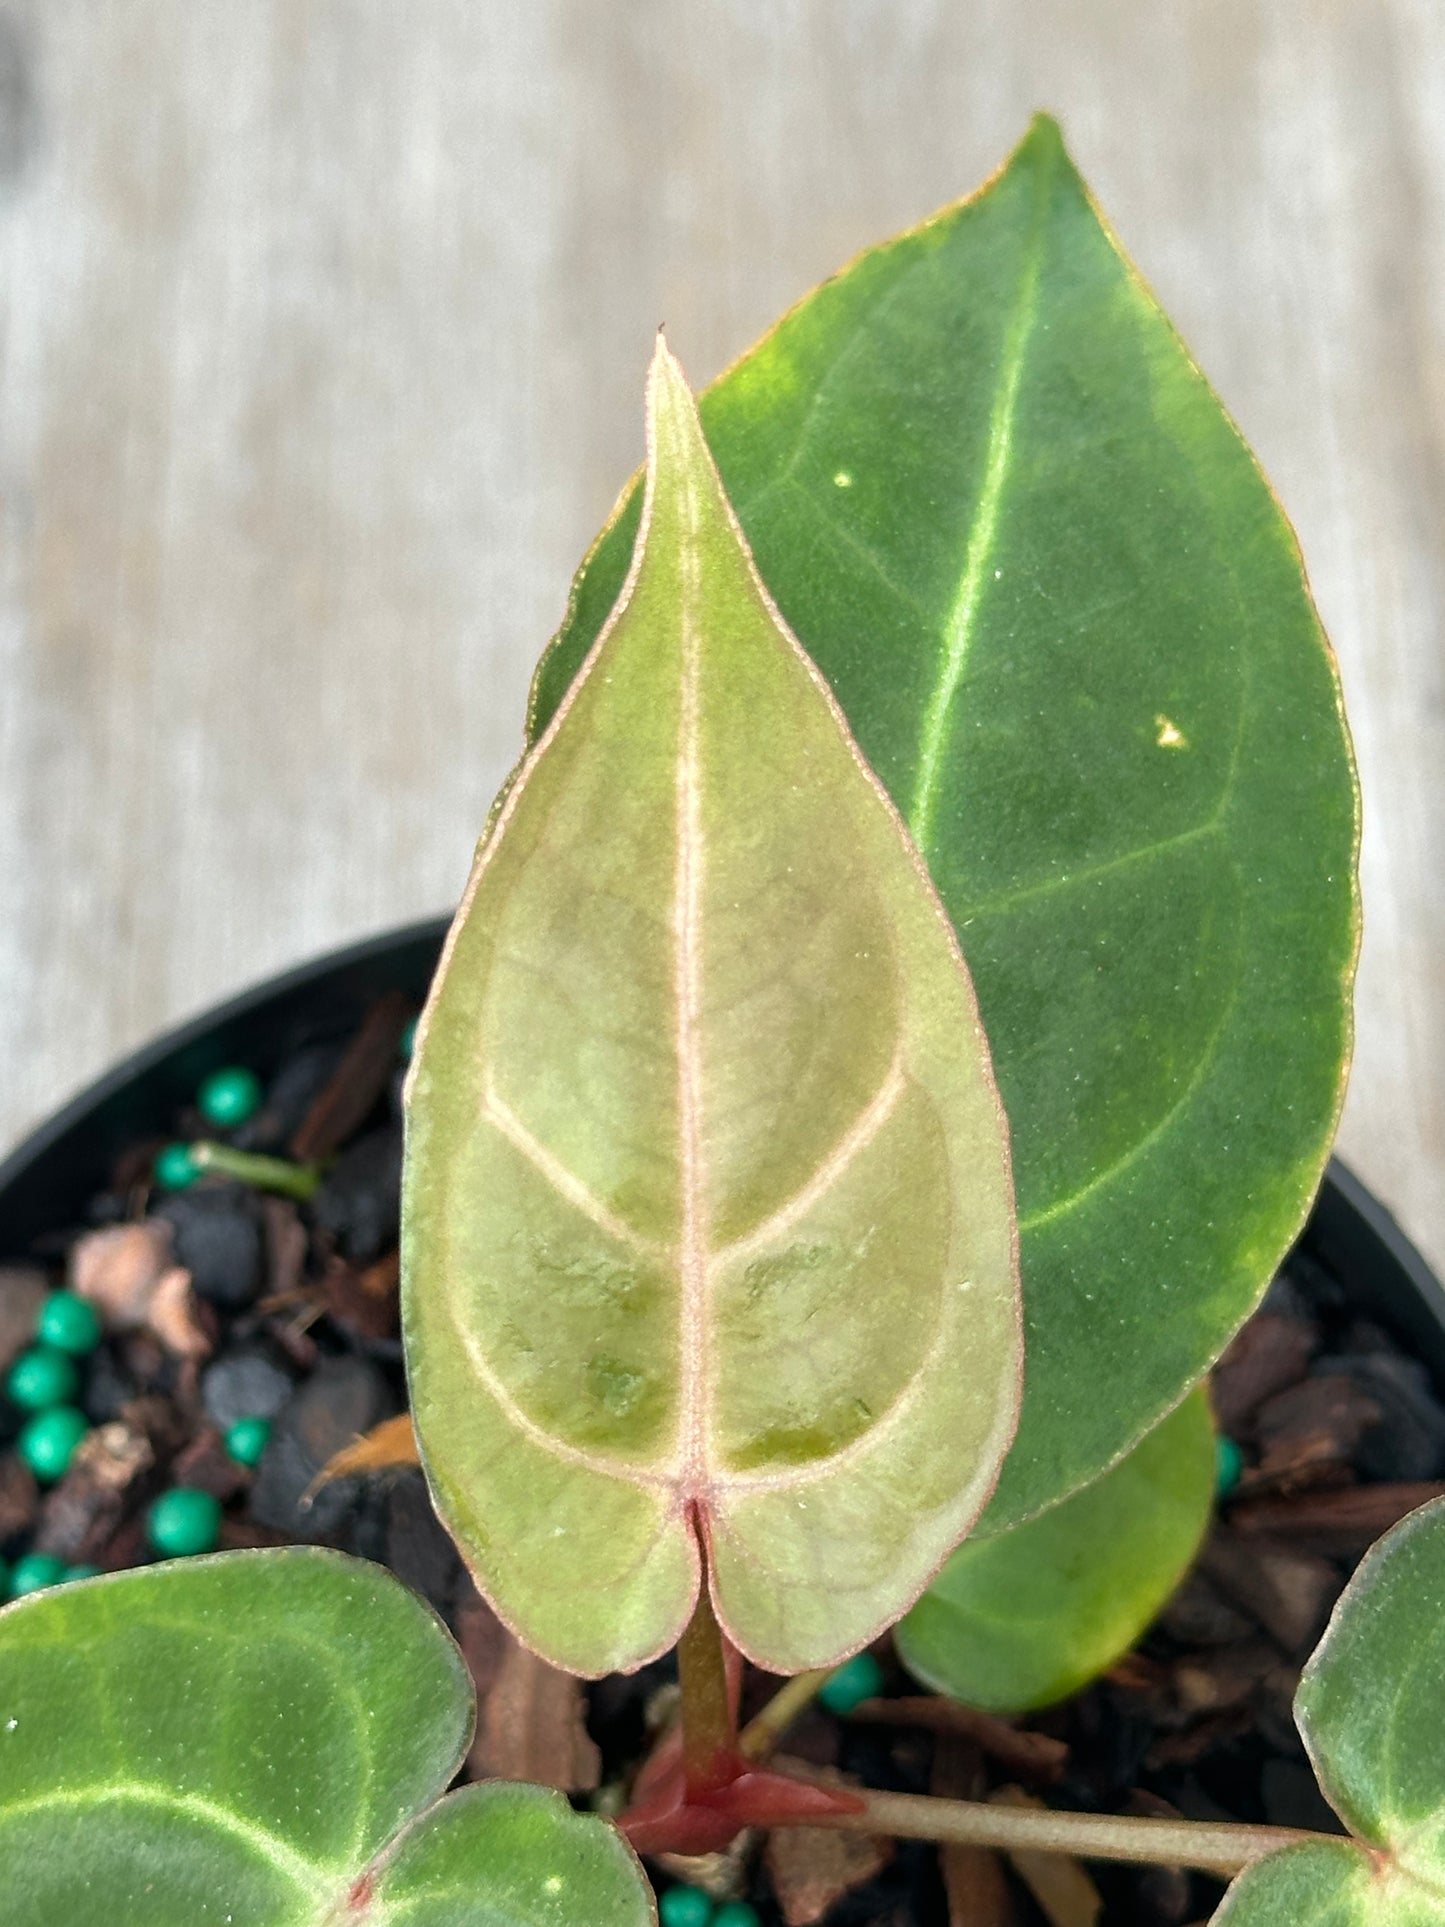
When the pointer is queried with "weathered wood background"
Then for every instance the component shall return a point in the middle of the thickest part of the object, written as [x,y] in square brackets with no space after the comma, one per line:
[323,327]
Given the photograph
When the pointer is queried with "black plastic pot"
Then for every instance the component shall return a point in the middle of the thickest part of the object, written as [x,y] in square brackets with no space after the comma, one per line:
[46,1182]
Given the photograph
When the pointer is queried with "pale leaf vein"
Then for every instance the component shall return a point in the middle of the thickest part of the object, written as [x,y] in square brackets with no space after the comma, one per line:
[563,1181]
[522,1421]
[695,1402]
[303,1873]
[854,1141]
[962,617]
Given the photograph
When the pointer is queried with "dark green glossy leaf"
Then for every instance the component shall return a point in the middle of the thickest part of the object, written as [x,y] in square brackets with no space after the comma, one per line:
[1069,627]
[707,1224]
[263,1739]
[1371,1707]
[1025,1617]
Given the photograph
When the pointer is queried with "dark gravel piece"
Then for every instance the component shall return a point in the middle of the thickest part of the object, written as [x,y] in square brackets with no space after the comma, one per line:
[418,1547]
[218,1239]
[1287,1297]
[615,1703]
[359,1202]
[108,1386]
[362,1531]
[344,1398]
[1107,1743]
[1200,1615]
[1319,1287]
[245,1383]
[1409,1440]
[292,1092]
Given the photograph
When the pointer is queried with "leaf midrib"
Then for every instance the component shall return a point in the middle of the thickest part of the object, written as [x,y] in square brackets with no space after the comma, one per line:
[959,624]
[695,1396]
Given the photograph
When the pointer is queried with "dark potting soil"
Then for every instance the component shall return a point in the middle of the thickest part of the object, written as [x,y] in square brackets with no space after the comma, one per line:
[224,1303]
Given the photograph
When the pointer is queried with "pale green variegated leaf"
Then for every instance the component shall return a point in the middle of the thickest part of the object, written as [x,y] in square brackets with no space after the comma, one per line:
[1371,1707]
[264,1739]
[1070,630]
[707,1226]
[1022,1618]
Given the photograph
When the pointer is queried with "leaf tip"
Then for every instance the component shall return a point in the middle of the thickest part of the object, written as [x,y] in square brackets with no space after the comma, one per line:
[1044,153]
[670,399]
[665,374]
[1045,137]
[676,446]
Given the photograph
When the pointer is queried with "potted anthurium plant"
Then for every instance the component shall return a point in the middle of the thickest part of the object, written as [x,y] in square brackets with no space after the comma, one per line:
[894,1028]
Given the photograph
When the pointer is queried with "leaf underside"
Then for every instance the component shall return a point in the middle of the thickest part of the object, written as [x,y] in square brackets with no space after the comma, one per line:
[1371,1708]
[1023,1618]
[1069,627]
[264,1738]
[707,1220]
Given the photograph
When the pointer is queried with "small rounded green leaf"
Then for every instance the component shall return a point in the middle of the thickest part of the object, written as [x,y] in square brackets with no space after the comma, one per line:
[1371,1704]
[499,1855]
[1025,1617]
[1371,1708]
[707,1224]
[1322,1884]
[1069,627]
[264,1738]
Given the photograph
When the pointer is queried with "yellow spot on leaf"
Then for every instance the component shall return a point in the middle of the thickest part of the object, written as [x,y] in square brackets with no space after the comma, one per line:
[1169,735]
[842,479]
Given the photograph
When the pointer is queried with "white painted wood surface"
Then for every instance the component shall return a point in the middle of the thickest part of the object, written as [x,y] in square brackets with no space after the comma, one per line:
[324,324]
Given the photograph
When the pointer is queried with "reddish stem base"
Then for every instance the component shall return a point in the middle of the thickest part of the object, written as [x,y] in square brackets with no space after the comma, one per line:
[697,1792]
[672,1814]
